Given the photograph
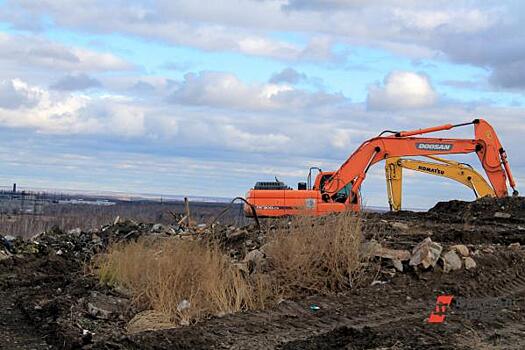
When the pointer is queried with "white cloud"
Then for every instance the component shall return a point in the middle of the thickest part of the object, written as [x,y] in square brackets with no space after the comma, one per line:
[34,52]
[62,113]
[15,94]
[239,139]
[225,90]
[341,139]
[402,90]
[460,20]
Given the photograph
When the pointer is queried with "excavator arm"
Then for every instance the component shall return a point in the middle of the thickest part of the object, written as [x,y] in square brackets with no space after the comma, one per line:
[460,172]
[485,144]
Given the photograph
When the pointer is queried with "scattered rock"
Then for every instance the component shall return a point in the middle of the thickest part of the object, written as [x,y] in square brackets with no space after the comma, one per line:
[98,312]
[374,283]
[501,215]
[461,249]
[399,225]
[116,221]
[515,246]
[75,232]
[105,307]
[393,254]
[488,250]
[426,253]
[4,255]
[9,238]
[470,264]
[255,260]
[451,261]
[243,267]
[398,265]
[158,228]
[236,234]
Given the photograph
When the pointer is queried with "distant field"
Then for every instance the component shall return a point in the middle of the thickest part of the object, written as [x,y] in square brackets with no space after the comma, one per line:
[86,217]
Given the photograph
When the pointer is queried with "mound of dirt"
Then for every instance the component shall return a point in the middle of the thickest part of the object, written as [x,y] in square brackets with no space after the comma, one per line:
[484,208]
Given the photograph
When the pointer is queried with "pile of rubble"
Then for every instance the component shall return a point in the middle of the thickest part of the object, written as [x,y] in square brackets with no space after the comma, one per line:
[484,208]
[425,256]
[81,245]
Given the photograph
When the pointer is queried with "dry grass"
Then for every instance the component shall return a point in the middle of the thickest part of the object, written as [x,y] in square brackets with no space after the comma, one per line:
[165,274]
[316,256]
[149,320]
[309,256]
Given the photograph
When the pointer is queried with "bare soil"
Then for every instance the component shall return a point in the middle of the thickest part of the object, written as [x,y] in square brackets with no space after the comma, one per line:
[43,297]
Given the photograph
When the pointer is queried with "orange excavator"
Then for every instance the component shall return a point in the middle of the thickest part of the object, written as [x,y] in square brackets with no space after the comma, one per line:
[340,190]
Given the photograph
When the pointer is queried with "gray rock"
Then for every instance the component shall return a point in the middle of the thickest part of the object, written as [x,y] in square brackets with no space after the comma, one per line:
[470,264]
[237,234]
[243,267]
[99,312]
[398,265]
[158,228]
[104,306]
[501,215]
[489,250]
[451,261]
[75,232]
[399,225]
[515,246]
[392,254]
[4,255]
[426,253]
[116,221]
[256,260]
[461,249]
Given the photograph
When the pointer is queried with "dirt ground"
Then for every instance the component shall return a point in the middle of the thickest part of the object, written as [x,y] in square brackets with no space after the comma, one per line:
[43,297]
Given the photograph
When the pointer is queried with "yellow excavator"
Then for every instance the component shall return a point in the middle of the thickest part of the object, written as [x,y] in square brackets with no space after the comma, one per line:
[460,172]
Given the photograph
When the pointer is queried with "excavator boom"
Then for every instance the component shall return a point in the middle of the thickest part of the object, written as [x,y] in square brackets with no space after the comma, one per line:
[485,144]
[459,172]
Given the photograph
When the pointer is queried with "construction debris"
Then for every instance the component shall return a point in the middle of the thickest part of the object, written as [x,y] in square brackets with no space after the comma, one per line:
[461,249]
[470,264]
[426,254]
[515,246]
[451,261]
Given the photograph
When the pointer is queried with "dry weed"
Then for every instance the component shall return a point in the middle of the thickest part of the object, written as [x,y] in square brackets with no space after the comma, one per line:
[149,320]
[315,255]
[186,280]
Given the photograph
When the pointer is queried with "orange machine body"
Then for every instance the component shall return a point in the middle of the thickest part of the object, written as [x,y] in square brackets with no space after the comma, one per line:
[340,190]
[282,202]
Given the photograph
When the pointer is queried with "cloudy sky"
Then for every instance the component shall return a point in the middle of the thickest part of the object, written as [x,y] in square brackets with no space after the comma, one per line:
[206,97]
